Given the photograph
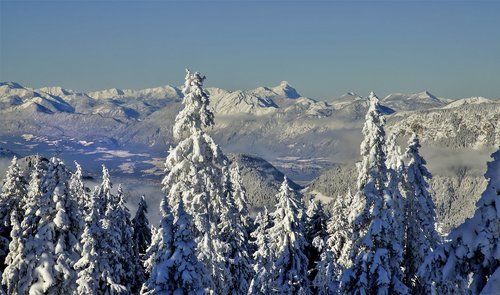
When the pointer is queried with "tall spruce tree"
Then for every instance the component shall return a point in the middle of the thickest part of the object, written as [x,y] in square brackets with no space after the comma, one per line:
[315,233]
[195,173]
[471,254]
[234,234]
[13,191]
[421,235]
[186,273]
[240,197]
[78,190]
[287,244]
[49,235]
[121,252]
[171,259]
[18,275]
[90,265]
[68,226]
[107,273]
[334,256]
[261,281]
[376,253]
[158,254]
[142,231]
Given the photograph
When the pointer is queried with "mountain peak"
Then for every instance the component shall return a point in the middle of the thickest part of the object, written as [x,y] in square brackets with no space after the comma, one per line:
[105,94]
[424,95]
[56,90]
[284,84]
[285,89]
[12,85]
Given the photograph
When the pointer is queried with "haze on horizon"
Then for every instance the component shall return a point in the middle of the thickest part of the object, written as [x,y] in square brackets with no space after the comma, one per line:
[323,49]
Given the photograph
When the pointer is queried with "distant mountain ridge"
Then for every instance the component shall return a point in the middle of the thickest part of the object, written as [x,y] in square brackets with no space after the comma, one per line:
[275,123]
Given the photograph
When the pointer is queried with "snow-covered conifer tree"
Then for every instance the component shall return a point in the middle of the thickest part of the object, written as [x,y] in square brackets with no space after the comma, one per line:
[261,281]
[376,254]
[421,235]
[287,244]
[315,233]
[78,191]
[142,231]
[13,191]
[339,234]
[471,254]
[335,252]
[186,273]
[195,173]
[158,254]
[196,114]
[112,270]
[68,226]
[240,197]
[326,279]
[18,275]
[234,235]
[49,235]
[103,192]
[90,265]
[120,249]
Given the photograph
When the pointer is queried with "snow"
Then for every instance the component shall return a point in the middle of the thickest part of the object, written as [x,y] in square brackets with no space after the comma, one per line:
[466,101]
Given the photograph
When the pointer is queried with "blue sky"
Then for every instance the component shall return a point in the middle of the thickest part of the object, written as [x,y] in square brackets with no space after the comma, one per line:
[323,48]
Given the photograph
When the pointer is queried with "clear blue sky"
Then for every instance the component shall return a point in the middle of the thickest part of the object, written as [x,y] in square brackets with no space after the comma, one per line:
[324,49]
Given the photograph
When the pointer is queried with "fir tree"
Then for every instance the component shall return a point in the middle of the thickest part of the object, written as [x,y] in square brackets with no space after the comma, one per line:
[18,275]
[195,173]
[421,235]
[89,266]
[240,197]
[78,190]
[48,241]
[68,226]
[186,273]
[376,253]
[470,256]
[261,281]
[287,244]
[107,273]
[142,231]
[235,236]
[13,191]
[158,254]
[196,114]
[102,193]
[315,232]
[334,257]
[121,252]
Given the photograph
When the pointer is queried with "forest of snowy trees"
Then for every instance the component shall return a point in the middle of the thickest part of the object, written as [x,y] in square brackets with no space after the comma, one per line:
[59,237]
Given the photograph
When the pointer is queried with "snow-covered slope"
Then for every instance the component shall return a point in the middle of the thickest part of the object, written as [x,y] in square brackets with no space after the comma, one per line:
[16,98]
[412,102]
[274,122]
[468,125]
[300,136]
[466,101]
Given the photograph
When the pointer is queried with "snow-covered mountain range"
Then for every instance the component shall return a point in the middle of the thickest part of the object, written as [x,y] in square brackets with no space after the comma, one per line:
[276,123]
[130,131]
